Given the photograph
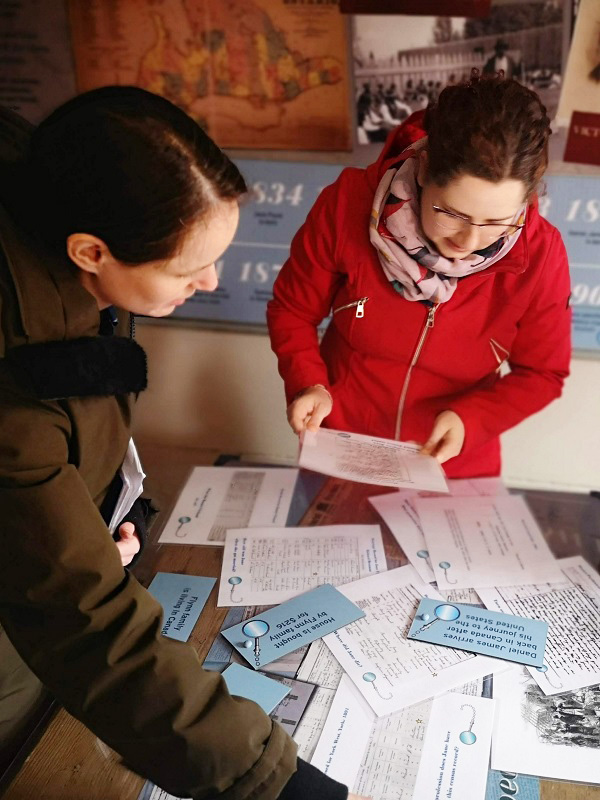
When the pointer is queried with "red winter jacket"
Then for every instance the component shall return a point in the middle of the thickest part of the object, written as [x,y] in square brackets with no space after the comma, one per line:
[392,365]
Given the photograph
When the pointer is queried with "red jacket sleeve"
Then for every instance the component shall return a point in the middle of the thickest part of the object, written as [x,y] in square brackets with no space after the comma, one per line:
[539,360]
[302,296]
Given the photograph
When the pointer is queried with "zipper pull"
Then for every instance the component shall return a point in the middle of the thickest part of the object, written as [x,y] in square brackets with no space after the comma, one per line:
[360,307]
[431,316]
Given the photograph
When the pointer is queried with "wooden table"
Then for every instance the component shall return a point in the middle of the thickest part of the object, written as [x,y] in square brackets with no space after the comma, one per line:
[70,763]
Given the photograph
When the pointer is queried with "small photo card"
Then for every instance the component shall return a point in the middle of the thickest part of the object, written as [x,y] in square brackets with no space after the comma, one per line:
[244,682]
[478,630]
[295,623]
[182,597]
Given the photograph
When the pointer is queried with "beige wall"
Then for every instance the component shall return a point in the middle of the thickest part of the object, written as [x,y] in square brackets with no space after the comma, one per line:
[221,391]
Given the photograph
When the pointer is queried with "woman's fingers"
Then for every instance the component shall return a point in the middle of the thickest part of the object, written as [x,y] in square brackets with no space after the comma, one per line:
[447,437]
[309,409]
[129,544]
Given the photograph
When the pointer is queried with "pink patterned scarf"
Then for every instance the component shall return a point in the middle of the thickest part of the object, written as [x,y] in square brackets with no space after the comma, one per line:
[408,259]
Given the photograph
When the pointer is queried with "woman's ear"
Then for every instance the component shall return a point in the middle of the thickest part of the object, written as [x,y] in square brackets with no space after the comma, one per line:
[422,171]
[88,252]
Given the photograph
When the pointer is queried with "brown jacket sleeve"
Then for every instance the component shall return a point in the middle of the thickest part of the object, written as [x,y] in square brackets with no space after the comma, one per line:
[91,633]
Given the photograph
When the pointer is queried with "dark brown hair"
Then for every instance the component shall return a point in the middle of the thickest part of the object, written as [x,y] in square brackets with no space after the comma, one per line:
[493,128]
[127,166]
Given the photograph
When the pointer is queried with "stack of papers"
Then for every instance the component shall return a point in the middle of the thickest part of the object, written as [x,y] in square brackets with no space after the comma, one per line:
[416,685]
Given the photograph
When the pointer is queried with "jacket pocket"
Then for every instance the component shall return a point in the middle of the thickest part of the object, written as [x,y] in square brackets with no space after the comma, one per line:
[359,305]
[501,355]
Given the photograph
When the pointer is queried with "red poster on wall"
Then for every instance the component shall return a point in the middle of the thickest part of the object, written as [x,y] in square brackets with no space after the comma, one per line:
[443,8]
[583,143]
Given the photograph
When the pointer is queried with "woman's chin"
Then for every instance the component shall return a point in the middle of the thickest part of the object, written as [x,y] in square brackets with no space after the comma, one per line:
[162,311]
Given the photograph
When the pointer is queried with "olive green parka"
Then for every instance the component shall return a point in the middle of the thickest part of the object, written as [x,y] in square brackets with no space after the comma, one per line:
[82,623]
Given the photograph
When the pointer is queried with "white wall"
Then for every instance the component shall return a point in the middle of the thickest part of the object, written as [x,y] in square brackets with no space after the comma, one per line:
[221,391]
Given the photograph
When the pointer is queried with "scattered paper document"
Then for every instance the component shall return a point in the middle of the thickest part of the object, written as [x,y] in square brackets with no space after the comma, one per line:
[571,607]
[308,732]
[182,597]
[217,498]
[484,541]
[532,737]
[244,682]
[456,749]
[265,566]
[320,666]
[398,511]
[152,792]
[292,708]
[390,670]
[368,459]
[443,742]
[292,624]
[475,630]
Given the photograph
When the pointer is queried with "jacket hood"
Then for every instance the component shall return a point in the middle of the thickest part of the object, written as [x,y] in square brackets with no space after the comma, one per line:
[52,303]
[410,131]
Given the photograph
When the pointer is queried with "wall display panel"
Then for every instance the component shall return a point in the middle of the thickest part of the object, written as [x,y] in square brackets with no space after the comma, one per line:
[572,203]
[254,73]
[281,195]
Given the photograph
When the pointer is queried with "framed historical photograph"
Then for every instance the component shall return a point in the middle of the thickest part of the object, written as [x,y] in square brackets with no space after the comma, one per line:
[581,89]
[401,63]
[457,8]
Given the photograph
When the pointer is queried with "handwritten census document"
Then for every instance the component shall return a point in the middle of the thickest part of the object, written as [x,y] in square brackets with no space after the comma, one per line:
[391,671]
[484,541]
[217,498]
[368,459]
[398,511]
[571,608]
[436,748]
[265,566]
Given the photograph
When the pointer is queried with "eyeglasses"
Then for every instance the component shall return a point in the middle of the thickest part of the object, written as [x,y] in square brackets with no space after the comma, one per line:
[454,223]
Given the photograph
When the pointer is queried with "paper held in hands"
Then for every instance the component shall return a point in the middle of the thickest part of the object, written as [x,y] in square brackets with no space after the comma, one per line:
[477,630]
[369,459]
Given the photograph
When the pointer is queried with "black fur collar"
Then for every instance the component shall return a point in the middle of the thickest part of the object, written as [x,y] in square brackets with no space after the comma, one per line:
[89,366]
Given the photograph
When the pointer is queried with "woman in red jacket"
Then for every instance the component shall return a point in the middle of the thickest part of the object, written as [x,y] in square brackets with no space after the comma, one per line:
[448,291]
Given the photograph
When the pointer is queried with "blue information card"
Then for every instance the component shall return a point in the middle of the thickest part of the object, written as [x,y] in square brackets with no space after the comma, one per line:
[478,630]
[297,622]
[182,598]
[244,682]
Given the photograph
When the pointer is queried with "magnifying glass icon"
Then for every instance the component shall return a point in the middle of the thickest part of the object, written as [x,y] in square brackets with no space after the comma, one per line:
[182,521]
[233,582]
[370,677]
[255,629]
[445,565]
[445,612]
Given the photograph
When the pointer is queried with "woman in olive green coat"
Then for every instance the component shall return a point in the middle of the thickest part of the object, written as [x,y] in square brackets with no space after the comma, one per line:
[117,199]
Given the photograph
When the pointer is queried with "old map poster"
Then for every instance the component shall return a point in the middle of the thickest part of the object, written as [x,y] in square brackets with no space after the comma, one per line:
[254,73]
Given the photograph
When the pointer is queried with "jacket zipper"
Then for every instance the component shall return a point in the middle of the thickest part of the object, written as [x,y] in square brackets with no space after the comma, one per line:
[359,304]
[429,323]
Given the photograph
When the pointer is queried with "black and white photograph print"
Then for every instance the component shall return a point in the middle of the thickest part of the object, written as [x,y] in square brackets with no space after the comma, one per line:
[401,63]
[581,90]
